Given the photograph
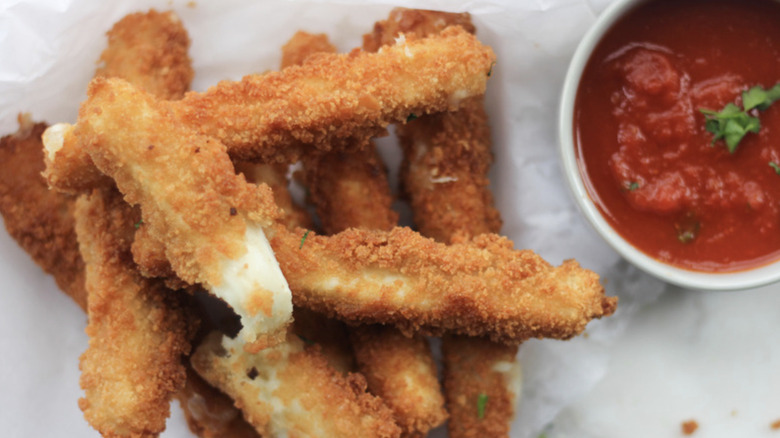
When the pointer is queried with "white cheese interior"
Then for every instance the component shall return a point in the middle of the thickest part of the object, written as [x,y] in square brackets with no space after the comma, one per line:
[54,137]
[256,276]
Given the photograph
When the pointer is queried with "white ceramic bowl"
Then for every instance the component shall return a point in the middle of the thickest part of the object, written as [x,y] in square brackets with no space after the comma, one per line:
[672,274]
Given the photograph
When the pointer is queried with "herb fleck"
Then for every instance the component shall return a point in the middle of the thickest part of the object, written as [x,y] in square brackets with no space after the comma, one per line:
[490,72]
[411,117]
[138,224]
[775,166]
[306,341]
[303,239]
[481,405]
[732,123]
[633,185]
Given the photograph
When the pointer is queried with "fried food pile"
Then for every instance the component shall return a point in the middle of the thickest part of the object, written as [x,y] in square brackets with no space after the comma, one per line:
[166,215]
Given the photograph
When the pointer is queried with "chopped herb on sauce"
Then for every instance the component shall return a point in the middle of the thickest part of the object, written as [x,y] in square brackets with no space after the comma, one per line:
[732,123]
[481,405]
[633,185]
[775,166]
[687,229]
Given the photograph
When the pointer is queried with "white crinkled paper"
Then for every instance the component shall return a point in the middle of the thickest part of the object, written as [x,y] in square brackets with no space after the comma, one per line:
[48,50]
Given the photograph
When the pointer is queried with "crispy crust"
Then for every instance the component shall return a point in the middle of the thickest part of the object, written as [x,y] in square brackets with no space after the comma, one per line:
[480,288]
[332,102]
[40,220]
[293,391]
[138,330]
[401,371]
[275,176]
[475,368]
[148,50]
[413,23]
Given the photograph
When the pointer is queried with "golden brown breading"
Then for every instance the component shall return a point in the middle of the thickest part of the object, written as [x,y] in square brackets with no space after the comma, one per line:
[413,23]
[191,198]
[275,176]
[401,371]
[138,330]
[482,382]
[149,50]
[287,390]
[330,335]
[210,413]
[302,45]
[479,288]
[444,172]
[332,102]
[350,189]
[40,220]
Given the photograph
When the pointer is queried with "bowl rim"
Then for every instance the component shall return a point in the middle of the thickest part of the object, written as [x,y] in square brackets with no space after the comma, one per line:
[718,281]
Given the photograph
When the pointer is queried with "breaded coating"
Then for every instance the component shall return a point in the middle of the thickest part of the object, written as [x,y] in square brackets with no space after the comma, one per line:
[302,45]
[138,330]
[402,372]
[149,50]
[413,23]
[210,413]
[351,190]
[275,177]
[329,334]
[444,173]
[446,156]
[287,390]
[191,198]
[331,102]
[40,220]
[482,381]
[480,288]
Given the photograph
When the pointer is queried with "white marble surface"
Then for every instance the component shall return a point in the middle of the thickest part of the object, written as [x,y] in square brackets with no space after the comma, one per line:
[667,355]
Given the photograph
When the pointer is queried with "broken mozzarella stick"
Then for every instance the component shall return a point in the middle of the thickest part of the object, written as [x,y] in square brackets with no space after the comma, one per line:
[480,288]
[289,390]
[332,102]
[191,198]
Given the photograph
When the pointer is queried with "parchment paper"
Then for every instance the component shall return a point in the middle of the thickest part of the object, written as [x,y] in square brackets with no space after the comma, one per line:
[48,50]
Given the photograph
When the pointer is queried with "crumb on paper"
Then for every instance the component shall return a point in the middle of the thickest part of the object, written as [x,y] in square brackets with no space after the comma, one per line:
[775,425]
[192,4]
[689,427]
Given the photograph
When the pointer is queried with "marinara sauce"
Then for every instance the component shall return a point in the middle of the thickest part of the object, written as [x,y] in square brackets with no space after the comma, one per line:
[648,161]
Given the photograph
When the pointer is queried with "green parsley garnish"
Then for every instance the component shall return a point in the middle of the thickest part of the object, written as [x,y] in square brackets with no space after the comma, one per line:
[633,185]
[687,228]
[481,404]
[732,123]
[411,117]
[303,239]
[490,72]
[775,166]
[138,224]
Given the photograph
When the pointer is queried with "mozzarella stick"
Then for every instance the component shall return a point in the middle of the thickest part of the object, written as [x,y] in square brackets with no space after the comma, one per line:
[351,190]
[191,198]
[444,172]
[149,50]
[138,330]
[39,219]
[480,288]
[287,390]
[332,102]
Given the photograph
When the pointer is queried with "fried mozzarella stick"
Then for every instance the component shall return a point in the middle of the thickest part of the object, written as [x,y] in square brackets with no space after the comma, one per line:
[351,190]
[287,390]
[138,330]
[480,288]
[191,198]
[332,102]
[39,219]
[444,172]
[149,50]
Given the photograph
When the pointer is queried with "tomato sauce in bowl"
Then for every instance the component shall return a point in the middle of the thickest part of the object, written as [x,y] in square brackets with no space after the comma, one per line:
[647,160]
